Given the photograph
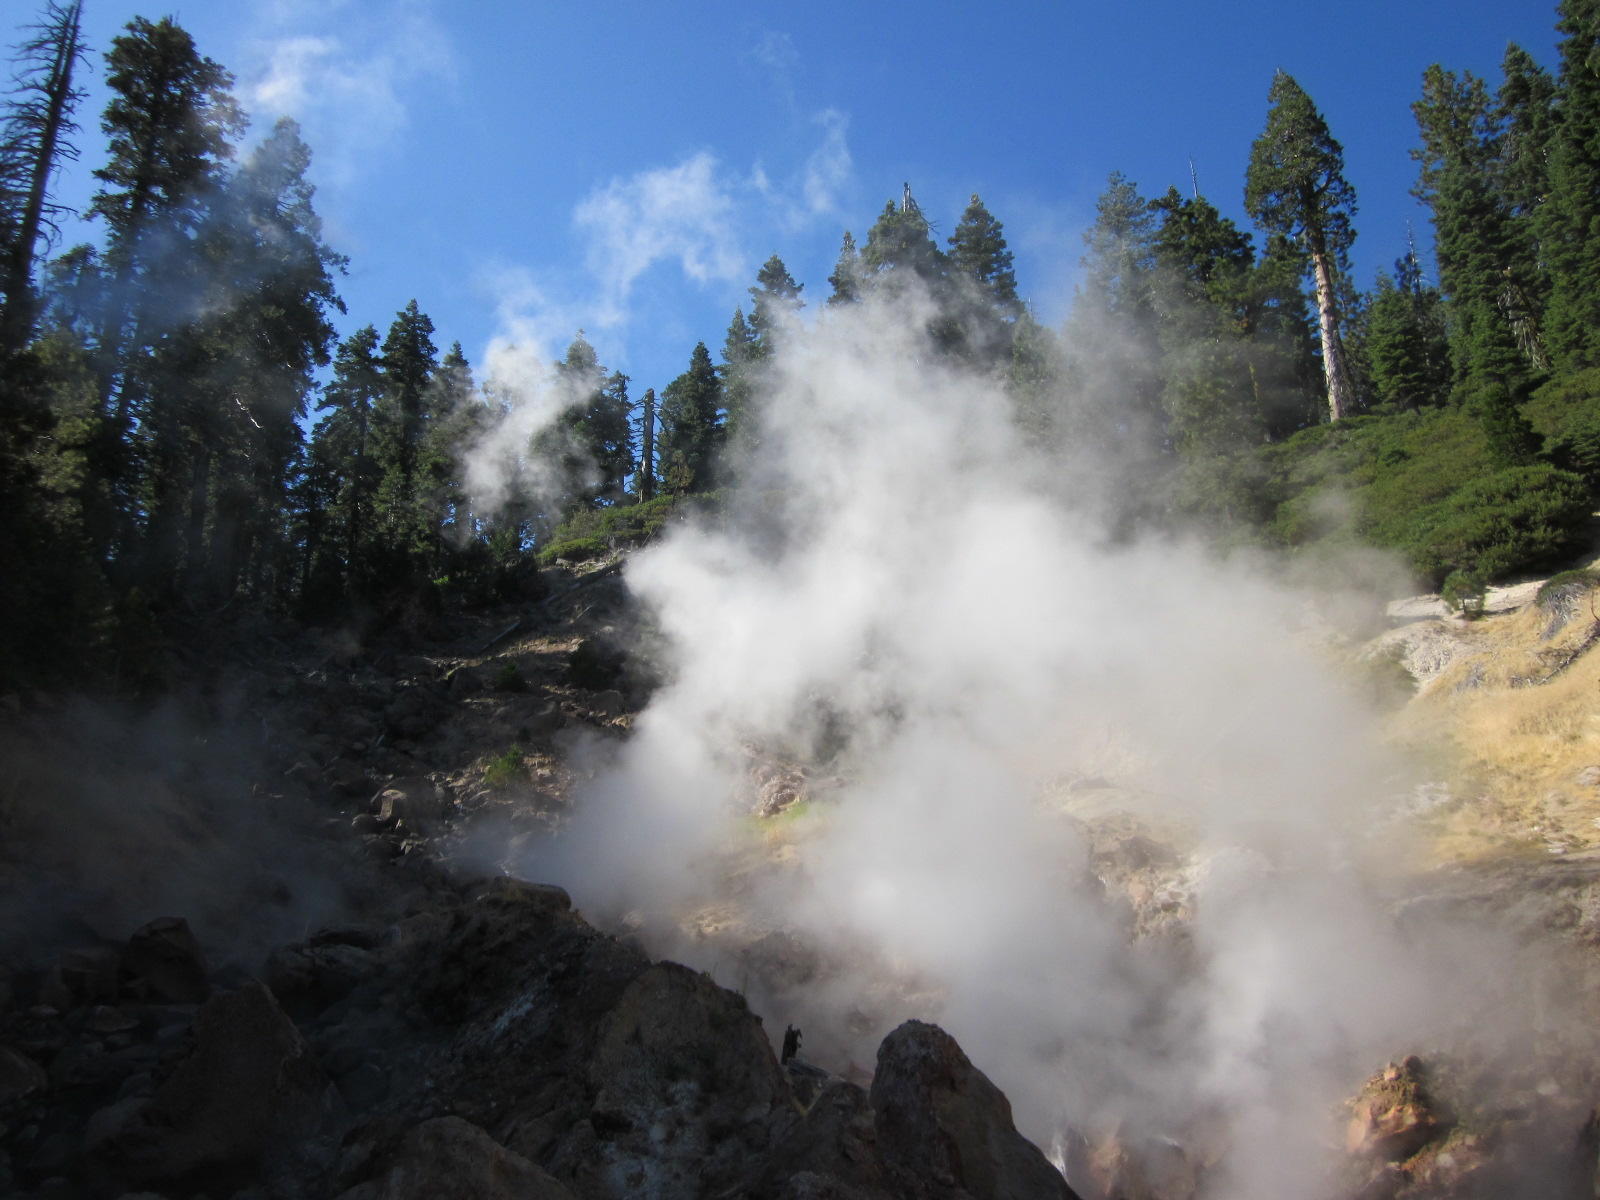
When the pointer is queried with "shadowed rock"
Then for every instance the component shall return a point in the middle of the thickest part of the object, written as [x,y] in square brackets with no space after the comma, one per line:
[945,1131]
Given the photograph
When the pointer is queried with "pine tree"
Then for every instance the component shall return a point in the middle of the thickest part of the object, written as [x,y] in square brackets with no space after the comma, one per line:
[34,140]
[1525,115]
[606,435]
[740,373]
[1033,381]
[457,418]
[1199,284]
[847,273]
[1570,222]
[1482,268]
[900,245]
[978,253]
[691,428]
[1295,188]
[1406,346]
[267,329]
[1111,332]
[750,344]
[170,121]
[343,450]
[774,303]
[646,473]
[983,301]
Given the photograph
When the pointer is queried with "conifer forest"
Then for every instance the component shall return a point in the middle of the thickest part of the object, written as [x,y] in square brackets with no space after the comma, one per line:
[182,431]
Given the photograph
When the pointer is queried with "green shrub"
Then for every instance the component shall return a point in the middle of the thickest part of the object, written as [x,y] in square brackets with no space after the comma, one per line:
[583,549]
[592,533]
[506,769]
[1463,591]
[1515,519]
[509,679]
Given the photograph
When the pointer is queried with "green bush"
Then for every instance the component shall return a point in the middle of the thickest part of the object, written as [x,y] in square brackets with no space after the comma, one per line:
[506,769]
[593,533]
[1515,519]
[1463,591]
[583,549]
[509,679]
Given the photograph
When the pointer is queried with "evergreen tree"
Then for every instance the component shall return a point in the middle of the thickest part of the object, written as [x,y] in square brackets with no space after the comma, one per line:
[847,273]
[740,371]
[1033,381]
[1570,222]
[408,360]
[606,435]
[1199,286]
[774,302]
[985,291]
[349,471]
[1525,114]
[1295,188]
[1111,334]
[34,130]
[1406,346]
[591,446]
[457,419]
[646,472]
[1201,256]
[266,328]
[978,252]
[900,245]
[170,124]
[691,429]
[1483,271]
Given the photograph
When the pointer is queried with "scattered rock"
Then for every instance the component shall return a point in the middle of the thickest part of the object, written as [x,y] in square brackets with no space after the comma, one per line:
[162,962]
[1393,1116]
[417,803]
[466,681]
[248,1091]
[19,1076]
[448,1158]
[307,978]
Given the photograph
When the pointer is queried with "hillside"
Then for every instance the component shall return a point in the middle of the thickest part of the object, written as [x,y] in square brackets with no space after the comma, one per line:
[262,943]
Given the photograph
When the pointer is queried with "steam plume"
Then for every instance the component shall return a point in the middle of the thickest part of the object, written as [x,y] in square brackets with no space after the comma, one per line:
[901,604]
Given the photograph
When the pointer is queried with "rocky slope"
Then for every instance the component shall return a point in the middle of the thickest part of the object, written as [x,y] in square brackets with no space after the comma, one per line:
[257,943]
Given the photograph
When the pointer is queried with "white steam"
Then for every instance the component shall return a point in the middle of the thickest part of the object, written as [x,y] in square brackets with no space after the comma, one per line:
[901,604]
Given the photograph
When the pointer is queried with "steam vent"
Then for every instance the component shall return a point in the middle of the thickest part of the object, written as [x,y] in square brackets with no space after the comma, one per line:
[581,619]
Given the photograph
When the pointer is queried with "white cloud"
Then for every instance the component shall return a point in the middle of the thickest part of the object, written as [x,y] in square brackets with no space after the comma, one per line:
[830,167]
[344,72]
[686,213]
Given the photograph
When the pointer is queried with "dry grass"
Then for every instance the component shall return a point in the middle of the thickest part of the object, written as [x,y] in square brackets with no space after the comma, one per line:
[1515,720]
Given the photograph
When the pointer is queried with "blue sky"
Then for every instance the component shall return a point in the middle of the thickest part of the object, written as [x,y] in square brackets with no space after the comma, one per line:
[524,170]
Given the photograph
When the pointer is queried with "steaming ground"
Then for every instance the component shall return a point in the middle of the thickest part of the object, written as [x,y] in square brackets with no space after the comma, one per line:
[968,675]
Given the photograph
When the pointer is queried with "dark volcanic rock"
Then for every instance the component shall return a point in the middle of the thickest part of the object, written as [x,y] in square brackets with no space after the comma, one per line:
[162,962]
[248,1091]
[451,1159]
[945,1131]
[684,1085]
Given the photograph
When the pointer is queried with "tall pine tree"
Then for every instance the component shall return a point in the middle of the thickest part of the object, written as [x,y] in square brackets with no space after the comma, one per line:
[1295,188]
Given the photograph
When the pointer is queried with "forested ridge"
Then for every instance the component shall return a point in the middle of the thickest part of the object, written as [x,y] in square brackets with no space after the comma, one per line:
[181,430]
